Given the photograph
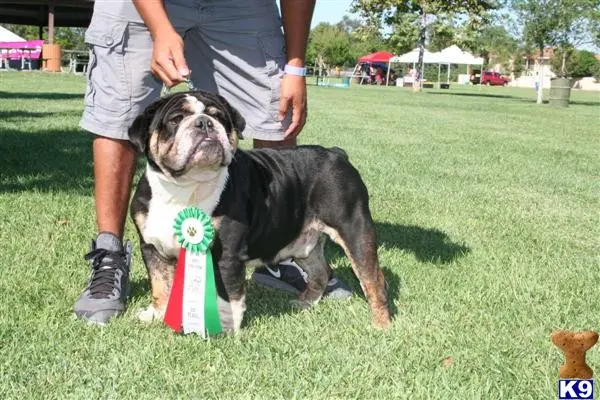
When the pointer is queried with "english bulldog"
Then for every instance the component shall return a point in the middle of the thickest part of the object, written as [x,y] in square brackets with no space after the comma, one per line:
[266,205]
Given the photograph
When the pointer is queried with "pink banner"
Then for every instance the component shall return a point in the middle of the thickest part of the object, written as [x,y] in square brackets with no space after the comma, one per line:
[16,50]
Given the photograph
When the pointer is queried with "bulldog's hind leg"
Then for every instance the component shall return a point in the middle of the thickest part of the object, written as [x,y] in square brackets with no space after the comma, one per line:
[358,239]
[161,273]
[318,272]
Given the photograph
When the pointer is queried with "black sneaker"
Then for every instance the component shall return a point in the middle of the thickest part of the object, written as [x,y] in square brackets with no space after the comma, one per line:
[288,276]
[108,286]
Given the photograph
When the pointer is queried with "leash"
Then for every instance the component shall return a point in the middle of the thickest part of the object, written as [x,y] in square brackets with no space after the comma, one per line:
[165,91]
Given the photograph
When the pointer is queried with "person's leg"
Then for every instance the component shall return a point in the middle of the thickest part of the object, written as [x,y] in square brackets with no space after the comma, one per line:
[119,87]
[242,42]
[114,166]
[274,144]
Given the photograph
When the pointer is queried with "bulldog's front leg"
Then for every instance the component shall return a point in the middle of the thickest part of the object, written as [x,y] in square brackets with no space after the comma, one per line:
[232,296]
[161,273]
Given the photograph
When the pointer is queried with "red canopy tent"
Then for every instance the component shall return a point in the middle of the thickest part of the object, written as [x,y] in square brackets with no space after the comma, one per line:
[380,56]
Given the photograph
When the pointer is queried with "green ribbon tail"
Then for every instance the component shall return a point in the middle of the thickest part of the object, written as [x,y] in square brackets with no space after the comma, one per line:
[211,310]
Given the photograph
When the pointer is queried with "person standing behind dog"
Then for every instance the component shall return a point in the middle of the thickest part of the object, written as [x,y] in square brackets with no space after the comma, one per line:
[233,47]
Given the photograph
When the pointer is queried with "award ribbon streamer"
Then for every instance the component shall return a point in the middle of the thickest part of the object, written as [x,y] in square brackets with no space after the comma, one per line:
[192,305]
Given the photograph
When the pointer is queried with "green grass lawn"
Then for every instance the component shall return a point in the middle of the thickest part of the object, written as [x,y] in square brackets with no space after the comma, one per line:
[487,211]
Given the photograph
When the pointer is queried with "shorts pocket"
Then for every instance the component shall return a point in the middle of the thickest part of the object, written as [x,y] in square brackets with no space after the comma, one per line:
[109,88]
[272,46]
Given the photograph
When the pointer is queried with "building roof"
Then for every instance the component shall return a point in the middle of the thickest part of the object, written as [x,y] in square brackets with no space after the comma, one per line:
[73,13]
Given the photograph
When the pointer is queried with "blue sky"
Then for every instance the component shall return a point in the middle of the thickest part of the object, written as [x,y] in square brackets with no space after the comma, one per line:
[330,11]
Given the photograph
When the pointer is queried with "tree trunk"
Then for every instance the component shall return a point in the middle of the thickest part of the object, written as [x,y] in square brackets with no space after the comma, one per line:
[418,75]
[564,62]
[541,78]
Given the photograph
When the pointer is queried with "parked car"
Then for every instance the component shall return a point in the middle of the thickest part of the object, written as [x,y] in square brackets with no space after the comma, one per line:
[489,78]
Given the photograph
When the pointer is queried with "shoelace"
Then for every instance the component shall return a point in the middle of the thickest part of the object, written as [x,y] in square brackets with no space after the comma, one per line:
[105,264]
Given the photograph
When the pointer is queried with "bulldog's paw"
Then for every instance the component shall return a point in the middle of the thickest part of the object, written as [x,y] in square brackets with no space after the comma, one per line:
[151,314]
[301,304]
[231,314]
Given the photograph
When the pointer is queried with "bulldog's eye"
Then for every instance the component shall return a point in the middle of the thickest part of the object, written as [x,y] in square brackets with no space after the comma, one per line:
[175,120]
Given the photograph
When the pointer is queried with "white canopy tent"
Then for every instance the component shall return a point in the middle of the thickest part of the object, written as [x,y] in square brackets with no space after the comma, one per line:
[8,36]
[454,55]
[412,57]
[448,56]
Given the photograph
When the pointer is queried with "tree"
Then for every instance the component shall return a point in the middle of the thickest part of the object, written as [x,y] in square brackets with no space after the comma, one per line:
[404,33]
[349,24]
[557,22]
[577,20]
[496,45]
[329,42]
[392,12]
[442,33]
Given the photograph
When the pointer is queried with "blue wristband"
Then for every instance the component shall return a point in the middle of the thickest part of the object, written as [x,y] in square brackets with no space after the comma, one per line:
[295,70]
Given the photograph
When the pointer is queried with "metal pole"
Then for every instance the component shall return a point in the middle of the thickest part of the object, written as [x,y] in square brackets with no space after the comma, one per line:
[387,78]
[51,23]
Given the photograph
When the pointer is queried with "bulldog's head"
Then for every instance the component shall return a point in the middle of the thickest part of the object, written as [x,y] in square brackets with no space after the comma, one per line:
[188,133]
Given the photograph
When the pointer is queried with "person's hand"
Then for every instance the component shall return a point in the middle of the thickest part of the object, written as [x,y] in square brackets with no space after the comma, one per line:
[168,62]
[293,94]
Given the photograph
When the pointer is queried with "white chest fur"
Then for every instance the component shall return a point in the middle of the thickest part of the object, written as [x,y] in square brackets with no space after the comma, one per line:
[169,198]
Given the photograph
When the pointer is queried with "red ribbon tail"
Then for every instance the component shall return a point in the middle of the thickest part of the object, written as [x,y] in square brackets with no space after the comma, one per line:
[174,312]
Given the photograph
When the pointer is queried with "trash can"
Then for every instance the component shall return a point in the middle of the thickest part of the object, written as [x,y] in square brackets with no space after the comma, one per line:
[560,92]
[51,55]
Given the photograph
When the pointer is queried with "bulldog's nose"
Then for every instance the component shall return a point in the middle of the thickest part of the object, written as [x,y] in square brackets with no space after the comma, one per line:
[205,124]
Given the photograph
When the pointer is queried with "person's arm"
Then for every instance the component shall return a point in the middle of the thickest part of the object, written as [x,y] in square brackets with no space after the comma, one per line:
[168,62]
[296,17]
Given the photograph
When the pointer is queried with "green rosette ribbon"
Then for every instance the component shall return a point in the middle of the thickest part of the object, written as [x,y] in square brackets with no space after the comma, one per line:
[194,230]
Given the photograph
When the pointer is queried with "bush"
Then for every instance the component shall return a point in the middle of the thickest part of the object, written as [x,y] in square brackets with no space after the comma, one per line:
[596,74]
[578,63]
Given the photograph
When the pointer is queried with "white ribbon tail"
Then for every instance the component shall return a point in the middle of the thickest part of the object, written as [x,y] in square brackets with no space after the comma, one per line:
[194,288]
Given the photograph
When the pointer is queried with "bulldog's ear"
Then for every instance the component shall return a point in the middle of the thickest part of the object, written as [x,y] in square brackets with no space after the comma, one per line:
[239,123]
[139,131]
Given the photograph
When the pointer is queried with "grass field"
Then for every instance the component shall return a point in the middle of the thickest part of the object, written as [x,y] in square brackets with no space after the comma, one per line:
[487,211]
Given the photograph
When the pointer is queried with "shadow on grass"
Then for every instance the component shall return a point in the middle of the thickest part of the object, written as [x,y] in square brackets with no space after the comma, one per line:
[140,288]
[491,95]
[47,160]
[585,103]
[40,95]
[427,245]
[21,114]
[507,96]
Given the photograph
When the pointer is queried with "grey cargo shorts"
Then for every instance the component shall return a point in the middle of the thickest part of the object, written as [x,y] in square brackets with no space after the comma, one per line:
[233,47]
